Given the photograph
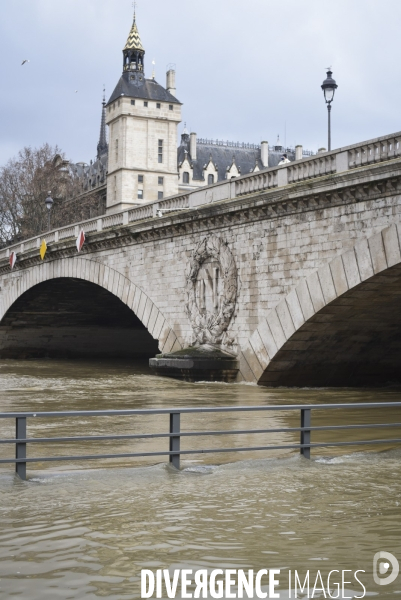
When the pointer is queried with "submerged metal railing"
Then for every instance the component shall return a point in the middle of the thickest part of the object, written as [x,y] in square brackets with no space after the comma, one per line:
[175,434]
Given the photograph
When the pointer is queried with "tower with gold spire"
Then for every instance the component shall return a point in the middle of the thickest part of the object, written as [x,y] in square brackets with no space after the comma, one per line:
[134,54]
[143,117]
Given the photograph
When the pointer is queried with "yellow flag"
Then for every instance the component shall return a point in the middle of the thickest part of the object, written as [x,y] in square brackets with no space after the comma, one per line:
[43,248]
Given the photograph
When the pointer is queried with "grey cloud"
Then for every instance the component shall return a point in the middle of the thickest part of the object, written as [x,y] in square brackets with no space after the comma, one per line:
[245,71]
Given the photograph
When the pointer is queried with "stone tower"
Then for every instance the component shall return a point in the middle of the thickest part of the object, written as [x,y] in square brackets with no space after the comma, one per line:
[142,117]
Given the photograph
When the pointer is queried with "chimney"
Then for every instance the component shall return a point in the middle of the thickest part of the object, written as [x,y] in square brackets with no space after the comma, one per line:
[298,152]
[192,145]
[170,81]
[264,153]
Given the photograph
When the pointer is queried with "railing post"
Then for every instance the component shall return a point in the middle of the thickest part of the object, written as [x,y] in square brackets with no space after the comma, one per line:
[20,449]
[175,440]
[305,434]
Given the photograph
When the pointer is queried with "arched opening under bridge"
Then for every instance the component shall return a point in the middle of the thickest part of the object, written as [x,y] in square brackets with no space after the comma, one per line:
[353,341]
[72,318]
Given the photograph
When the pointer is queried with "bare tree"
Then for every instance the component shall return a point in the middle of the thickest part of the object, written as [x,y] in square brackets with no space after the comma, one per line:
[24,184]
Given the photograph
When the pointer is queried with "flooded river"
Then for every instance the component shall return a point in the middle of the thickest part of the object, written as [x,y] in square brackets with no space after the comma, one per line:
[84,530]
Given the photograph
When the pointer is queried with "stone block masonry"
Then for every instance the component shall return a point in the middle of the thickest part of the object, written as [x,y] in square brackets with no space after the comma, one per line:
[301,251]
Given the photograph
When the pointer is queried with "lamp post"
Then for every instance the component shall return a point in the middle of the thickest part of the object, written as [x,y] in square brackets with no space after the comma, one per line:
[329,86]
[49,203]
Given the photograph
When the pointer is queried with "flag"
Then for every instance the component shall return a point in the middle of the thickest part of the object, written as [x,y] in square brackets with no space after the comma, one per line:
[13,259]
[80,240]
[43,248]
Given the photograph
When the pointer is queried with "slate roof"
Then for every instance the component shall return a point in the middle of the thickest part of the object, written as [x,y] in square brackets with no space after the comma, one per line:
[95,172]
[150,90]
[222,157]
[275,156]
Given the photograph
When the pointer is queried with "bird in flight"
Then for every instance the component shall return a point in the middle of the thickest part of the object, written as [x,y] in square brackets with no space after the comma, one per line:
[76,91]
[24,61]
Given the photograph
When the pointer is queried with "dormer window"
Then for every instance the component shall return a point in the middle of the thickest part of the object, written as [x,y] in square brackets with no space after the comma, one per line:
[185,177]
[210,179]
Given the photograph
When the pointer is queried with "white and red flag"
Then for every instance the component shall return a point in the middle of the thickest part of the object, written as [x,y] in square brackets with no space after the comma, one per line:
[13,259]
[80,240]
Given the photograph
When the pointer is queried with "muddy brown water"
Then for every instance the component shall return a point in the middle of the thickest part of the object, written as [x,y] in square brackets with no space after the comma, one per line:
[84,530]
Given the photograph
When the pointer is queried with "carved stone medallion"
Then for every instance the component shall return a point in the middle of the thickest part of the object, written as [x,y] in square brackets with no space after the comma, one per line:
[211,292]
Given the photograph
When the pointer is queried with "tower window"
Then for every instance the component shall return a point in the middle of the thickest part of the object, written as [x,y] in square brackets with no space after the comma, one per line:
[133,102]
[159,195]
[118,103]
[140,178]
[185,177]
[145,104]
[140,194]
[116,146]
[170,107]
[160,180]
[158,105]
[210,179]
[160,151]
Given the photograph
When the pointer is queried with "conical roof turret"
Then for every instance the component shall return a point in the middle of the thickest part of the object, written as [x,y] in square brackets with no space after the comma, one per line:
[134,41]
[133,54]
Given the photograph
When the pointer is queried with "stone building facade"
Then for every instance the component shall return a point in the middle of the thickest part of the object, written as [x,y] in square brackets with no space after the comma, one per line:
[141,162]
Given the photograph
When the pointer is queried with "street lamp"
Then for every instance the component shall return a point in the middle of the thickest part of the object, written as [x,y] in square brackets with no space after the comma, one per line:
[329,86]
[49,203]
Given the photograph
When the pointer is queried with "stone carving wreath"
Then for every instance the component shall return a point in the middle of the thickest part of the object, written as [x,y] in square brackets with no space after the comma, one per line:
[211,328]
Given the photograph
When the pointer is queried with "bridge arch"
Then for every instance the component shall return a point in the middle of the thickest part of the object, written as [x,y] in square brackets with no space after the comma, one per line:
[341,325]
[102,276]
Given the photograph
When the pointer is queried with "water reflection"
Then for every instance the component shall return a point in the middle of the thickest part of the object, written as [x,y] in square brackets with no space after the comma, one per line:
[81,531]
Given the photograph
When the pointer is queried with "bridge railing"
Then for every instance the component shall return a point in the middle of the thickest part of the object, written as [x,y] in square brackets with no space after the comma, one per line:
[378,150]
[326,163]
[375,151]
[174,434]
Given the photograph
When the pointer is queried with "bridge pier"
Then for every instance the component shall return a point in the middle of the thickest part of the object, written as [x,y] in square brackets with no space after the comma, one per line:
[201,363]
[293,268]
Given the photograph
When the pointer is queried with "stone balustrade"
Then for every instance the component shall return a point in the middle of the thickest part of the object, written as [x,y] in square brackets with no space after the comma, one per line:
[66,232]
[140,213]
[378,150]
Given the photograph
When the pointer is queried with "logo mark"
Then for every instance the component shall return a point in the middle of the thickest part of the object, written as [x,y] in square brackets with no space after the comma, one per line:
[381,568]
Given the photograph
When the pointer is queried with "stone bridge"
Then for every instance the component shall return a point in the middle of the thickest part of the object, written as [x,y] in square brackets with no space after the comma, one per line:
[295,269]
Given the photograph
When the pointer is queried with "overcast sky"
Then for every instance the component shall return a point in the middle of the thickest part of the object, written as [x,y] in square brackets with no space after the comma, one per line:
[246,70]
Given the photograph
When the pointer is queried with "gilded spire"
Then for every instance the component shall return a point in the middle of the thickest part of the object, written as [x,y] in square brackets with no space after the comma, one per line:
[134,41]
[133,55]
